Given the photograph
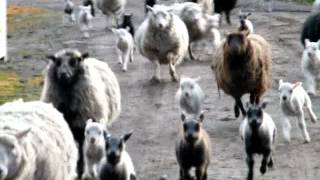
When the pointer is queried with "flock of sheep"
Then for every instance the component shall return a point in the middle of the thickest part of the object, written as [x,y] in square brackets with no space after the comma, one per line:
[65,136]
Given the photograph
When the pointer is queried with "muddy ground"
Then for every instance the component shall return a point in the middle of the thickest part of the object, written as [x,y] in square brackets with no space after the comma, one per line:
[150,110]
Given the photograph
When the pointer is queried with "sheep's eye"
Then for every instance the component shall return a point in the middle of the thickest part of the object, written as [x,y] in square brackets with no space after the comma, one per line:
[99,132]
[72,62]
[197,127]
[58,62]
[290,91]
[191,87]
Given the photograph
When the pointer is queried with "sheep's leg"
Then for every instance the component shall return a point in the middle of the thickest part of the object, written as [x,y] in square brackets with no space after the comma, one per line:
[184,174]
[236,110]
[310,83]
[201,173]
[228,17]
[313,117]
[270,6]
[156,76]
[265,160]
[286,128]
[131,54]
[190,52]
[125,58]
[240,106]
[302,125]
[270,163]
[120,57]
[250,163]
[88,170]
[172,70]
[252,98]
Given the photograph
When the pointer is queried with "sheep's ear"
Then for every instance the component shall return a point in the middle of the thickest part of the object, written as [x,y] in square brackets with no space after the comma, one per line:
[280,82]
[201,117]
[89,121]
[249,14]
[51,57]
[306,42]
[183,117]
[297,84]
[84,55]
[150,9]
[264,105]
[127,136]
[23,133]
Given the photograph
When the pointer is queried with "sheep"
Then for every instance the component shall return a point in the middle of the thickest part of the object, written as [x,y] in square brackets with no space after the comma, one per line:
[93,148]
[85,18]
[90,3]
[117,163]
[35,143]
[81,88]
[258,133]
[127,23]
[206,5]
[244,23]
[224,6]
[69,15]
[125,47]
[293,99]
[112,9]
[163,39]
[193,148]
[150,3]
[316,6]
[311,28]
[243,65]
[190,96]
[311,65]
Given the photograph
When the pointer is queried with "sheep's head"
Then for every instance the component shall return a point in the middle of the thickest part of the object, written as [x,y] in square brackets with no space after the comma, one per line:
[95,133]
[286,89]
[159,17]
[67,65]
[115,147]
[213,21]
[86,10]
[192,128]
[313,50]
[243,17]
[187,86]
[255,114]
[11,153]
[120,33]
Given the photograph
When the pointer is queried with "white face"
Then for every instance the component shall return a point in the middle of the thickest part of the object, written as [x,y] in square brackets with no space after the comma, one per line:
[86,9]
[312,49]
[286,89]
[187,86]
[94,133]
[160,18]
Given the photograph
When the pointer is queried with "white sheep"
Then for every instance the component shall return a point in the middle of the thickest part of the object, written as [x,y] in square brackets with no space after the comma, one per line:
[93,148]
[125,47]
[190,96]
[311,65]
[316,6]
[81,88]
[258,132]
[163,39]
[206,5]
[84,19]
[244,23]
[112,9]
[35,143]
[69,15]
[293,99]
[117,164]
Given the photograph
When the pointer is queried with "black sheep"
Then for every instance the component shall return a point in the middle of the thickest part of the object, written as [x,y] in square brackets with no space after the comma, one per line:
[127,23]
[224,6]
[311,28]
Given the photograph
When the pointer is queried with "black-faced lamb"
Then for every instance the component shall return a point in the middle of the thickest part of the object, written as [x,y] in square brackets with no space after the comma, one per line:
[69,15]
[311,28]
[190,96]
[127,23]
[92,4]
[243,65]
[244,23]
[84,20]
[163,39]
[81,88]
[117,164]
[93,148]
[258,132]
[112,9]
[125,47]
[311,65]
[224,6]
[293,100]
[35,143]
[193,148]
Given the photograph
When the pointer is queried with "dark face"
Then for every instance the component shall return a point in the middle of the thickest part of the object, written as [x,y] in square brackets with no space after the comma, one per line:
[191,129]
[127,18]
[114,148]
[255,116]
[236,42]
[242,18]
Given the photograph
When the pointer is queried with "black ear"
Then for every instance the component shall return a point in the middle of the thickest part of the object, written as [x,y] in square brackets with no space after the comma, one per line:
[51,57]
[106,135]
[84,55]
[249,14]
[183,117]
[201,117]
[127,136]
[264,105]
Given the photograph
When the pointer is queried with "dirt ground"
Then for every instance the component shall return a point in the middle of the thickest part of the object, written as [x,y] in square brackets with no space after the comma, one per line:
[150,110]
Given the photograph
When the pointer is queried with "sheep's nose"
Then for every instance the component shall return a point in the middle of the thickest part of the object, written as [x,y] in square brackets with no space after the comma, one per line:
[284,98]
[92,140]
[187,94]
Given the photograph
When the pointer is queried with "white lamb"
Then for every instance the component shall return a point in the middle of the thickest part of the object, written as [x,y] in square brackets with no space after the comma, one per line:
[112,9]
[316,6]
[244,23]
[125,47]
[190,96]
[163,39]
[35,143]
[293,99]
[93,148]
[69,15]
[85,17]
[311,65]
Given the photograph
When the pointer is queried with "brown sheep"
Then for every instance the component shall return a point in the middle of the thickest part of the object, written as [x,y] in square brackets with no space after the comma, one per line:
[193,148]
[243,65]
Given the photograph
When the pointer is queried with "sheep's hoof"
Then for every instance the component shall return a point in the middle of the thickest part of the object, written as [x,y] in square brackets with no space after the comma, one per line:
[236,112]
[263,169]
[270,163]
[306,141]
[87,176]
[155,80]
[124,70]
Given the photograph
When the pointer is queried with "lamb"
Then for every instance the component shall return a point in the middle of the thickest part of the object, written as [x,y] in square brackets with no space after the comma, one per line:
[93,149]
[190,96]
[224,6]
[150,3]
[125,47]
[170,44]
[293,99]
[258,133]
[127,23]
[85,18]
[311,65]
[112,9]
[117,163]
[206,5]
[311,28]
[316,6]
[35,143]
[244,23]
[243,65]
[90,3]
[69,15]
[193,148]
[81,88]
